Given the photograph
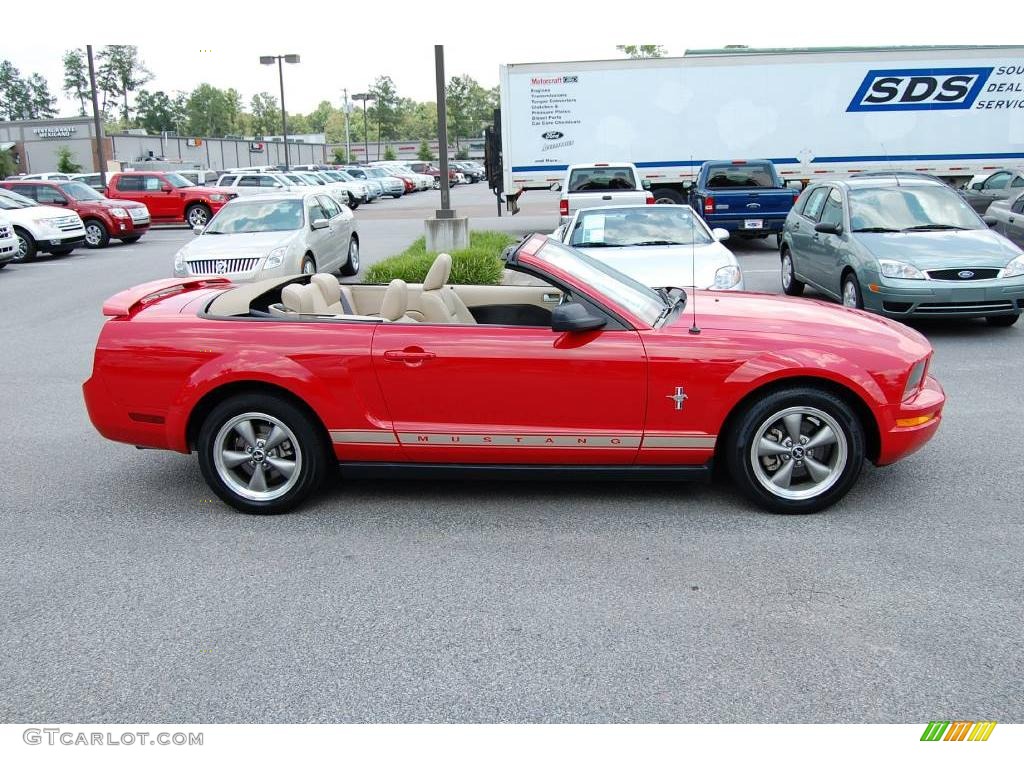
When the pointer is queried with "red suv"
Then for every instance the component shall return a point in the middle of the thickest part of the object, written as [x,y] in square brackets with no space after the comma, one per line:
[104,219]
[168,196]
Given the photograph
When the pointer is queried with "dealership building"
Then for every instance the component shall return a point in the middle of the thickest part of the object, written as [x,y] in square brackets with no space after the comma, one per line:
[35,144]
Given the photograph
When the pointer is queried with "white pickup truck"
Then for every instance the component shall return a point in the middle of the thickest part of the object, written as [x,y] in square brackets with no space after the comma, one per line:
[598,185]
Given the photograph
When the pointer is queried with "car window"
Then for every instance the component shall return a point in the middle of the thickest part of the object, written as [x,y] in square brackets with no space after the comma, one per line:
[998,180]
[1018,205]
[269,181]
[814,202]
[249,181]
[251,214]
[46,195]
[226,181]
[28,190]
[129,183]
[315,211]
[832,213]
[328,204]
[601,179]
[1018,181]
[151,183]
[726,176]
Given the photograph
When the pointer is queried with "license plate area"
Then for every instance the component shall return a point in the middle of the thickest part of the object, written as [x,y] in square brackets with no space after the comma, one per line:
[753,223]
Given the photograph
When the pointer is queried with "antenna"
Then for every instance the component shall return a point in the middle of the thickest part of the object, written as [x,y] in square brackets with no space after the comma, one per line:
[888,159]
[693,265]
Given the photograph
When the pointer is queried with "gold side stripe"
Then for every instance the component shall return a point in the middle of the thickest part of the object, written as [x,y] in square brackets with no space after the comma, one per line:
[380,436]
[520,441]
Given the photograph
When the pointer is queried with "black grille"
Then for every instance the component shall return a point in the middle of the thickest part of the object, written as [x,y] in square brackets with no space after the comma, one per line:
[965,273]
[895,306]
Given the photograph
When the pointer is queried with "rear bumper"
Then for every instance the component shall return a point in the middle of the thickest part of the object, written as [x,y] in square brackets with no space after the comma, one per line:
[738,224]
[900,435]
[114,422]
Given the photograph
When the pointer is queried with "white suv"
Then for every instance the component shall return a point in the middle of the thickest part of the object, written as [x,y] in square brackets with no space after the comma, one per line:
[40,227]
[8,242]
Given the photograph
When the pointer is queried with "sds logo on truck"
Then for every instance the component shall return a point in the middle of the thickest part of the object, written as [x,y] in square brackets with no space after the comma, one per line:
[891,90]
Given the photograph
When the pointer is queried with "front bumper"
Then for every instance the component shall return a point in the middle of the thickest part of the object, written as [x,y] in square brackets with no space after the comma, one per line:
[8,249]
[902,299]
[900,434]
[65,240]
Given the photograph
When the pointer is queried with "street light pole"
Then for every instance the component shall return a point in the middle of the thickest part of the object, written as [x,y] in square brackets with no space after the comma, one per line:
[290,58]
[348,136]
[365,97]
[442,133]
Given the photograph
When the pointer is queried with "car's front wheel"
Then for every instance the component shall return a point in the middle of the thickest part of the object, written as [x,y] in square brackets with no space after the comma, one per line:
[852,296]
[1002,321]
[262,454]
[197,215]
[27,248]
[351,266]
[796,451]
[96,234]
[790,285]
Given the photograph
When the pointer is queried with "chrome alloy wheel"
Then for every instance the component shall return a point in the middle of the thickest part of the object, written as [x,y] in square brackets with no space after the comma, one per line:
[799,453]
[257,456]
[787,270]
[850,298]
[353,255]
[197,216]
[93,234]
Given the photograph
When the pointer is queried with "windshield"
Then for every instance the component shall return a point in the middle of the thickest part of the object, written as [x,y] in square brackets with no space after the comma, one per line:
[622,290]
[11,200]
[651,225]
[178,181]
[296,179]
[893,208]
[601,179]
[80,191]
[255,216]
[726,176]
[311,179]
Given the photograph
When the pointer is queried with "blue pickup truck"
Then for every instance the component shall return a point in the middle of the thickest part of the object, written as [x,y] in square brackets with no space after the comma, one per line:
[746,197]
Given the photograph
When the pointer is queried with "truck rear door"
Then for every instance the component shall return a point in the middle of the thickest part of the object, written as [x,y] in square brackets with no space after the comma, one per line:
[745,197]
[602,186]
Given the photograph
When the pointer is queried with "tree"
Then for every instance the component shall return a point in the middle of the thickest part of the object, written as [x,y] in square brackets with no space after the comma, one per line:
[65,161]
[158,112]
[121,71]
[457,99]
[15,97]
[642,51]
[76,78]
[424,152]
[7,165]
[40,103]
[209,111]
[385,109]
[341,156]
[266,116]
[317,119]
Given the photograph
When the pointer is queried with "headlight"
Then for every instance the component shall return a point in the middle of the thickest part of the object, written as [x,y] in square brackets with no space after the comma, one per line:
[180,268]
[276,257]
[915,378]
[1015,268]
[216,198]
[121,213]
[726,277]
[900,269]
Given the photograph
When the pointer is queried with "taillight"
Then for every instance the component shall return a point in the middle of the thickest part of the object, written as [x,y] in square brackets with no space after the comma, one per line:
[796,196]
[709,205]
[650,199]
[563,207]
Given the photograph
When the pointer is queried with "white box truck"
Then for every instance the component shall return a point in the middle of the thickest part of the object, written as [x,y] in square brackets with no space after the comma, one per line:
[952,111]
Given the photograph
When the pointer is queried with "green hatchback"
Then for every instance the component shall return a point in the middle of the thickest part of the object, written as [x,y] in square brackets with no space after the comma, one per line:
[902,248]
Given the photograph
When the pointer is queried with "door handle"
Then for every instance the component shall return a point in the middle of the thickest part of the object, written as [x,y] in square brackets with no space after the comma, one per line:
[554,298]
[796,225]
[410,356]
[606,197]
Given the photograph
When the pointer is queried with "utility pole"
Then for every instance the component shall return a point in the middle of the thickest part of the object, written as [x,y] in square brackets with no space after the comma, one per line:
[96,123]
[284,115]
[348,137]
[442,133]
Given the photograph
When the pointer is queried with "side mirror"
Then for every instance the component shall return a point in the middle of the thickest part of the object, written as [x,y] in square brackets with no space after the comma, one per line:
[58,201]
[978,185]
[575,318]
[720,234]
[827,228]
[320,224]
[165,187]
[198,229]
[646,183]
[990,220]
[555,187]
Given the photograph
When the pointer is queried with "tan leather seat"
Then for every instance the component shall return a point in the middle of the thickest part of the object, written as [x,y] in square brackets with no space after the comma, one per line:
[439,301]
[396,302]
[337,297]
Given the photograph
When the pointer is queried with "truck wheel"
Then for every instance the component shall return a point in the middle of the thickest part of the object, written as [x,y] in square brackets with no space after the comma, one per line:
[26,246]
[197,215]
[796,451]
[96,234]
[665,196]
[790,285]
[262,454]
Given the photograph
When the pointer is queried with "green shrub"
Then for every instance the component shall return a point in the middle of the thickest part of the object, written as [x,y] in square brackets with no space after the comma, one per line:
[389,154]
[480,264]
[65,161]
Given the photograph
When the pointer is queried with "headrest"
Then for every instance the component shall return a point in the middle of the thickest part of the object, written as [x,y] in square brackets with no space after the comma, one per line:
[329,287]
[301,298]
[439,272]
[396,300]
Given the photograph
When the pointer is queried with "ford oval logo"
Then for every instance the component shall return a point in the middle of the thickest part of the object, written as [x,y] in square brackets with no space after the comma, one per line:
[552,135]
[965,274]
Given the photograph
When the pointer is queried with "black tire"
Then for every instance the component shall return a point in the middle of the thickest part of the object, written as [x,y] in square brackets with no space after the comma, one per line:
[666,196]
[351,266]
[855,299]
[792,286]
[27,248]
[197,215]
[1002,321]
[2,265]
[62,251]
[739,448]
[310,452]
[307,260]
[131,239]
[97,231]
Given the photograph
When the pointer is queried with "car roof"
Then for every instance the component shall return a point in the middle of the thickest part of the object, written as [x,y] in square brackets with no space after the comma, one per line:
[295,194]
[866,182]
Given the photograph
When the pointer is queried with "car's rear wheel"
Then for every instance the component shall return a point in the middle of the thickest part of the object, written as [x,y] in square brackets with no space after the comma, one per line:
[852,296]
[796,451]
[1002,321]
[261,454]
[197,215]
[668,197]
[96,234]
[790,285]
[308,265]
[27,248]
[351,267]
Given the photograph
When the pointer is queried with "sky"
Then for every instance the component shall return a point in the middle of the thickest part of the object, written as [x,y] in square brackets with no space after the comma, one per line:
[349,47]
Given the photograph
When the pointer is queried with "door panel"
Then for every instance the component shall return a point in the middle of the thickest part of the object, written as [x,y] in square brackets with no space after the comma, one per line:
[543,296]
[489,394]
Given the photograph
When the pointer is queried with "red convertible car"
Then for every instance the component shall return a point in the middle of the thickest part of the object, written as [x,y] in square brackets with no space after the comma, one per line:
[587,373]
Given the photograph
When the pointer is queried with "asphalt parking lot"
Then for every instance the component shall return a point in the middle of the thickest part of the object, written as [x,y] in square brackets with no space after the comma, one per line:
[132,594]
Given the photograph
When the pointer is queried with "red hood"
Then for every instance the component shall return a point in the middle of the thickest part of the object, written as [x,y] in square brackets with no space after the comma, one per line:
[106,202]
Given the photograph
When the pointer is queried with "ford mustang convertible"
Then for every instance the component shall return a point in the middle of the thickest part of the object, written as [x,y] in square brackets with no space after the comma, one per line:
[586,373]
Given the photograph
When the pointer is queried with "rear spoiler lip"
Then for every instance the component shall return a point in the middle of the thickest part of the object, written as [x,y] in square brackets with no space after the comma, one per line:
[121,304]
